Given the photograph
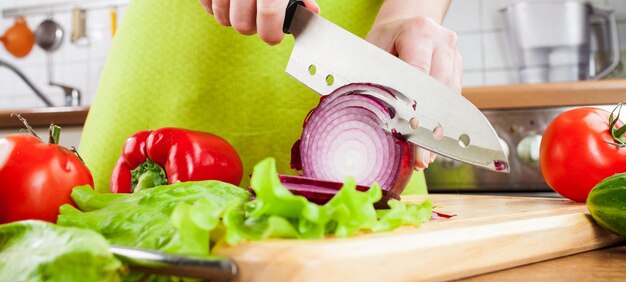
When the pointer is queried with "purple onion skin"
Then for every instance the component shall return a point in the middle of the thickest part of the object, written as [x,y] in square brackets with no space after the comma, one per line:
[402,174]
[321,191]
[405,170]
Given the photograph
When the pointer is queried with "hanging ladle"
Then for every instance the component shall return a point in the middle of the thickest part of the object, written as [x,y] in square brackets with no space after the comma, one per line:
[49,37]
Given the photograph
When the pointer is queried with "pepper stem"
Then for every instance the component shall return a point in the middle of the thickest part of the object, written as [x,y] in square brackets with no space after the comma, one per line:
[147,175]
[54,133]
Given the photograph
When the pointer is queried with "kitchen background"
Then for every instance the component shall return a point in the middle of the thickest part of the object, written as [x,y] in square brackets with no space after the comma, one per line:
[478,23]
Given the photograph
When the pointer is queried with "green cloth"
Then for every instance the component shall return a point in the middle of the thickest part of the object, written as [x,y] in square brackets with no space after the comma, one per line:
[171,64]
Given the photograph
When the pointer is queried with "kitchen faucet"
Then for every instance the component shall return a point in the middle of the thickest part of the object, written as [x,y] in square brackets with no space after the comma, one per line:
[72,95]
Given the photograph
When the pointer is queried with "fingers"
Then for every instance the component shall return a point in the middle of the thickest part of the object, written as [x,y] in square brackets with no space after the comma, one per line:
[269,21]
[221,11]
[207,5]
[457,82]
[423,158]
[415,43]
[442,67]
[424,44]
[312,5]
[251,16]
[243,16]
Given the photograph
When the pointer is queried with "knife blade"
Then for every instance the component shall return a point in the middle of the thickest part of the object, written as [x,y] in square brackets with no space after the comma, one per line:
[326,57]
[148,261]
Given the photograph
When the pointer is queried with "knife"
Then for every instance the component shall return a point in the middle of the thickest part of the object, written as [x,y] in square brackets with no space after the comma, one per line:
[424,104]
[148,261]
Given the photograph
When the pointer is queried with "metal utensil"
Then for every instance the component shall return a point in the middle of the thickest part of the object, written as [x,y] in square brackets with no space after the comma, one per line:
[79,27]
[216,269]
[424,105]
[49,37]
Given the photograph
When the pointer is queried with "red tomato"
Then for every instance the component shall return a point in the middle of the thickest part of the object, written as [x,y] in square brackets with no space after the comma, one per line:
[36,178]
[575,155]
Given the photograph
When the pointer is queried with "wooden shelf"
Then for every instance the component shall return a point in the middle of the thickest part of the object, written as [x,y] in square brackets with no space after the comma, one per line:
[547,95]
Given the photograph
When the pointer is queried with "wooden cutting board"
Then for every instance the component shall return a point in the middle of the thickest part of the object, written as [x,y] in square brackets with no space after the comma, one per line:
[488,233]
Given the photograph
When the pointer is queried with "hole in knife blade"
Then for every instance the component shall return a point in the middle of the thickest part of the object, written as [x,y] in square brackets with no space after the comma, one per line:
[312,69]
[438,132]
[413,123]
[330,80]
[464,140]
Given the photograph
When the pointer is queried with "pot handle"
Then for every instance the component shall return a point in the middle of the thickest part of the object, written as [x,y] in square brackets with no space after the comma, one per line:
[611,27]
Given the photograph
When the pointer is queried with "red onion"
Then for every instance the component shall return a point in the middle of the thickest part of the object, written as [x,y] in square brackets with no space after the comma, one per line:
[343,137]
[321,191]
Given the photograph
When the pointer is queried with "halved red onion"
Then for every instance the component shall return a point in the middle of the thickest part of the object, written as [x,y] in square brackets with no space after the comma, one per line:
[343,137]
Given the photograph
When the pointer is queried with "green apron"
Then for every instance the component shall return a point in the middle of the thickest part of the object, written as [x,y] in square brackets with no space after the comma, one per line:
[171,64]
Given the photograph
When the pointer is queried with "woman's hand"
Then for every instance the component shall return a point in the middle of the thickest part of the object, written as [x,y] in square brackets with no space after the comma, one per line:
[419,39]
[249,17]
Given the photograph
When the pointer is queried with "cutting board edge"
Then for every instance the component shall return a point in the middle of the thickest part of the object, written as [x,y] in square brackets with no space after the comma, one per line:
[301,267]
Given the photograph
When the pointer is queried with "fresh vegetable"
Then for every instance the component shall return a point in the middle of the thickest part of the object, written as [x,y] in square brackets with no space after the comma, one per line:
[343,137]
[607,204]
[169,155]
[37,177]
[40,251]
[321,191]
[174,218]
[184,217]
[276,212]
[581,147]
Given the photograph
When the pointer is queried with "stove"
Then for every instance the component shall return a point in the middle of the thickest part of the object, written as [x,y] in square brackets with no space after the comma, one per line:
[520,133]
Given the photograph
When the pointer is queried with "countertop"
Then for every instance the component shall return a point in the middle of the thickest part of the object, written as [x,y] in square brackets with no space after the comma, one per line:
[490,97]
[607,264]
[36,117]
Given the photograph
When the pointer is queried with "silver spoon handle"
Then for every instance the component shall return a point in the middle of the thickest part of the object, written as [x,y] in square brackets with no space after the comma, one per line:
[214,268]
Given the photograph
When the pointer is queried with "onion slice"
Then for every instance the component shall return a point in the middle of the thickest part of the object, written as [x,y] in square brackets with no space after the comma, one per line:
[321,191]
[344,136]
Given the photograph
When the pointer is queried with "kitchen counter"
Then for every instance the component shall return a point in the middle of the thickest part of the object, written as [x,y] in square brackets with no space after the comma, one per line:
[578,93]
[36,117]
[489,97]
[600,265]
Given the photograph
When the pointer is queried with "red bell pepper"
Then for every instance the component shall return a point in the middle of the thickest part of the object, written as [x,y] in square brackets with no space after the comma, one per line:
[37,177]
[168,155]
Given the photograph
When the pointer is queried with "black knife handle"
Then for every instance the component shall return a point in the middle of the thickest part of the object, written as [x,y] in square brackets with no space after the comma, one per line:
[289,13]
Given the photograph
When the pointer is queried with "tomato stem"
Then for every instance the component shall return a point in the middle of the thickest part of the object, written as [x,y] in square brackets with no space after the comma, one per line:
[29,129]
[73,149]
[54,132]
[617,133]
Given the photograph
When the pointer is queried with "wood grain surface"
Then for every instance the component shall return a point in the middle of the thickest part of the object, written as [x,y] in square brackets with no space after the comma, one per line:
[578,93]
[489,233]
[44,116]
[605,265]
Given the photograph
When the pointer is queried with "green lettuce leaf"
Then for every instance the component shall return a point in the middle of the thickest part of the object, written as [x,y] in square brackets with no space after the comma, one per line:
[40,251]
[176,218]
[401,213]
[277,213]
